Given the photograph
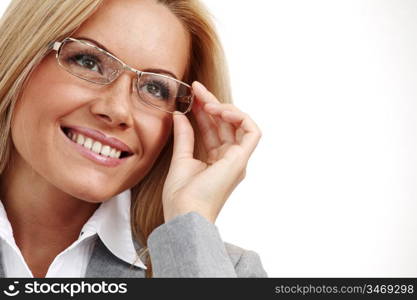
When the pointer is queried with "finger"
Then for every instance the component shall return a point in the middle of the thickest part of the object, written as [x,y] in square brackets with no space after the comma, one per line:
[218,108]
[228,118]
[231,117]
[183,137]
[247,133]
[208,128]
[205,96]
[225,131]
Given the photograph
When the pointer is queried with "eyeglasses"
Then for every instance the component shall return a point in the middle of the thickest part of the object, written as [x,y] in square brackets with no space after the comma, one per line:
[91,63]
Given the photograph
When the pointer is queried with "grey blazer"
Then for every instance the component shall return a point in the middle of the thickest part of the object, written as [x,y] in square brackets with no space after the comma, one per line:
[186,246]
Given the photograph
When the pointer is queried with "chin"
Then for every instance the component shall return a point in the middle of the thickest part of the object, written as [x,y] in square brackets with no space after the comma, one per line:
[94,197]
[93,193]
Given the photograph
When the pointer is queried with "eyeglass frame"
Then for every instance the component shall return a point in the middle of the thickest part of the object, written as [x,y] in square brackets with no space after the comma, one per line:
[56,46]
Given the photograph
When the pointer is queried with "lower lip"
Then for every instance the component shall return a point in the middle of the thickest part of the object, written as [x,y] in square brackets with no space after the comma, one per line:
[102,160]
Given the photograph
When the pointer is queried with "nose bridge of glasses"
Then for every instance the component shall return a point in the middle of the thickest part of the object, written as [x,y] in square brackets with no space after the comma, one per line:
[118,72]
[115,73]
[128,68]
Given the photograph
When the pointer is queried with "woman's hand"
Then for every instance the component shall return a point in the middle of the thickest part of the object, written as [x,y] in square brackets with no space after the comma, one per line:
[229,136]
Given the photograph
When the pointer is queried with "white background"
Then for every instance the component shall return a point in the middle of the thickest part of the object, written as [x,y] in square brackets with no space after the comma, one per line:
[331,189]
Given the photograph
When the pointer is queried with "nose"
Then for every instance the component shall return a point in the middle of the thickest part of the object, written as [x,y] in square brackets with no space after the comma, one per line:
[114,108]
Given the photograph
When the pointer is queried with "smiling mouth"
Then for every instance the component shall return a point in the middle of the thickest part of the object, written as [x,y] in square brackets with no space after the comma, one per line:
[94,145]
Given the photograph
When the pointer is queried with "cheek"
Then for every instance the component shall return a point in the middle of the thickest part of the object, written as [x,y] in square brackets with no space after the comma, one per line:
[153,133]
[37,112]
[27,127]
[156,135]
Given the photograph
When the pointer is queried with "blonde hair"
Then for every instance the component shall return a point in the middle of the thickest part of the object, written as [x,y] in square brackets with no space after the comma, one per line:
[26,30]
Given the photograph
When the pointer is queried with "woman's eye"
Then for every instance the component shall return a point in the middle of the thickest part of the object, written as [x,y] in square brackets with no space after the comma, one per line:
[87,62]
[155,90]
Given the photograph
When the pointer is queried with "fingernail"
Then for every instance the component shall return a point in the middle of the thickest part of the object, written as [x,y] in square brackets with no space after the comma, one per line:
[176,113]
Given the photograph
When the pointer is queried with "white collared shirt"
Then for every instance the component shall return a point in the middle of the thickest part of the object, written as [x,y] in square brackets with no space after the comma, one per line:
[110,222]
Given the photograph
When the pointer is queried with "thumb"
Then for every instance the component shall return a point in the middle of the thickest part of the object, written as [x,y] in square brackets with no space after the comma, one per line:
[183,137]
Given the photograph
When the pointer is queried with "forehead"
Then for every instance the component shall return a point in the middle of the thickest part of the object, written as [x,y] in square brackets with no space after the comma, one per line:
[143,33]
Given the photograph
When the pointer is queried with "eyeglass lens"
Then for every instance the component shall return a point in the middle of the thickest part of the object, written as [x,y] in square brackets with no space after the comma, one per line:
[93,65]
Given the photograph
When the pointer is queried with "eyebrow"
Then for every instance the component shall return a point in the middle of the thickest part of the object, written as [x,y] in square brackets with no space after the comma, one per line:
[152,70]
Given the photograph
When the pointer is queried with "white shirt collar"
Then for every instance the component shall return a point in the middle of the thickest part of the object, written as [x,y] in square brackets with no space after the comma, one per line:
[110,221]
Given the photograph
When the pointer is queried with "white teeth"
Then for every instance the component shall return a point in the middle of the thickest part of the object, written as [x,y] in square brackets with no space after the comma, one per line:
[105,150]
[94,146]
[113,153]
[80,139]
[88,143]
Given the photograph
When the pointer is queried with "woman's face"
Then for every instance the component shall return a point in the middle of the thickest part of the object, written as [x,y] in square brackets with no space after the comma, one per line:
[146,36]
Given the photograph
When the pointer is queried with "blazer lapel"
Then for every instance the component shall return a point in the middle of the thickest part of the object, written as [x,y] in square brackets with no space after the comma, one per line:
[103,263]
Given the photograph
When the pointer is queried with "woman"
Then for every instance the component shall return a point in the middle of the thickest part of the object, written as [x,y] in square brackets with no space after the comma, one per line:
[111,163]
